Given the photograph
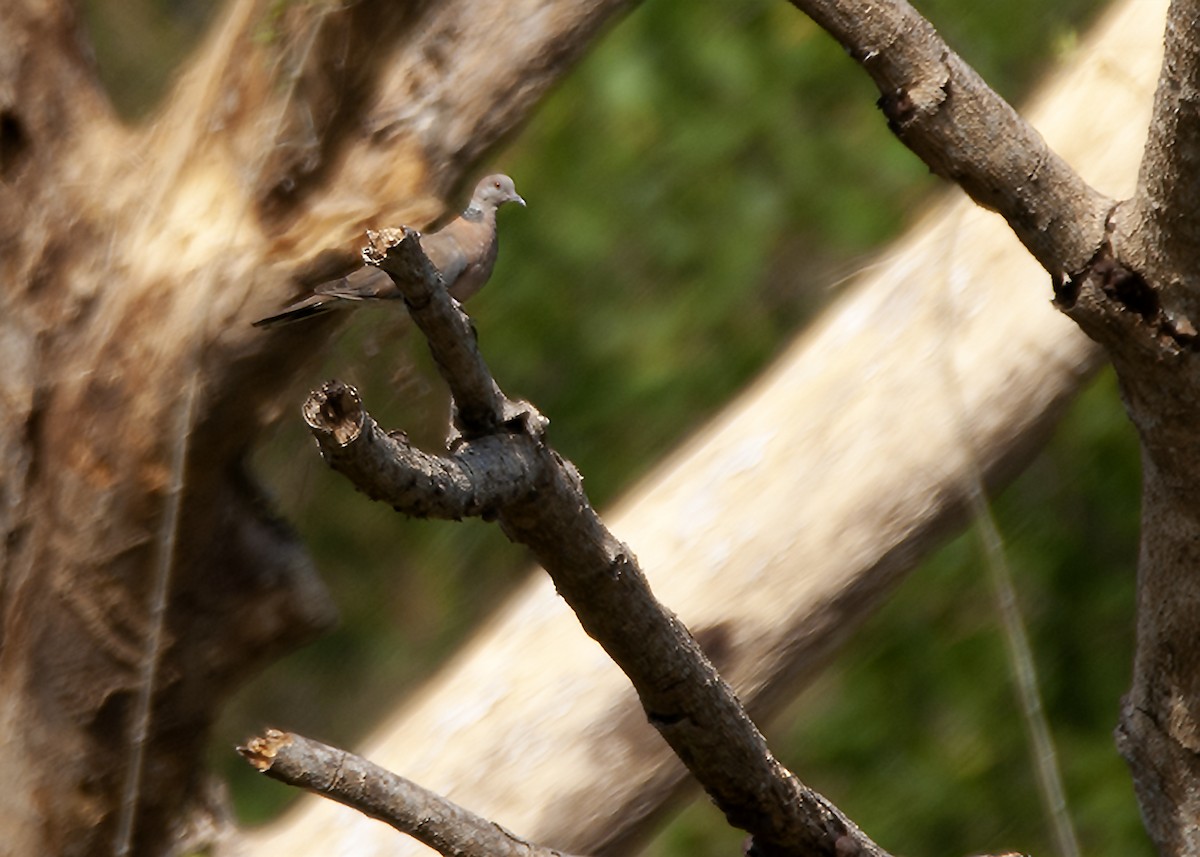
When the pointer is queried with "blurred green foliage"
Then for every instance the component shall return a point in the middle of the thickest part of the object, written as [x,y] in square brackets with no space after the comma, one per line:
[698,189]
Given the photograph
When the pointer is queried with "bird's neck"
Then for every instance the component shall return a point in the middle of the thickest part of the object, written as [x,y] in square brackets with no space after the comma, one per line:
[473,214]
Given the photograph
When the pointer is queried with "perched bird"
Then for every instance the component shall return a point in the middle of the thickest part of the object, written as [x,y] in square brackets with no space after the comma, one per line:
[463,251]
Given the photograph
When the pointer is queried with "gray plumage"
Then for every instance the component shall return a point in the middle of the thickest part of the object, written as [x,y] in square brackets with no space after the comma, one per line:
[463,251]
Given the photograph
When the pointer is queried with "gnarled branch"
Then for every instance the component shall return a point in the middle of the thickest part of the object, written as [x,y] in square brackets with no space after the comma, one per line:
[683,695]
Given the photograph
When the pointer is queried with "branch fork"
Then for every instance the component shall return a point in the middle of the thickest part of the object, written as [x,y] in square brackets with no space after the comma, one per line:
[499,466]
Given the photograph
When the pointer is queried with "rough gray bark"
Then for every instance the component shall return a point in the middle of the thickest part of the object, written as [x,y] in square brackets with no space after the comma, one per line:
[942,110]
[353,781]
[1140,298]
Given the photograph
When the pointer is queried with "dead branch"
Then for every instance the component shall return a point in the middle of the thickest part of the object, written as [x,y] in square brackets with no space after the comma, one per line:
[480,407]
[388,797]
[944,111]
[480,476]
[684,697]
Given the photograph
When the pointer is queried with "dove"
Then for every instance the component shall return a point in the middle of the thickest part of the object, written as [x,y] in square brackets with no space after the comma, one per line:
[463,251]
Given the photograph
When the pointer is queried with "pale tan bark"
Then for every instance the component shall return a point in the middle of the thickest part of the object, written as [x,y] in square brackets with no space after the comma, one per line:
[137,551]
[789,518]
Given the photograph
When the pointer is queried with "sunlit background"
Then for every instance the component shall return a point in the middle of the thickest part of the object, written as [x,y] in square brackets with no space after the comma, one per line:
[698,189]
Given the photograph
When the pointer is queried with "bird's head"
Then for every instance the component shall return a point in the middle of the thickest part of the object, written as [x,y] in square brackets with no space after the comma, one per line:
[494,191]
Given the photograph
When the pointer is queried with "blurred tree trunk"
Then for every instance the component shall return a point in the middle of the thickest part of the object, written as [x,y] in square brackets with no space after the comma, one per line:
[137,551]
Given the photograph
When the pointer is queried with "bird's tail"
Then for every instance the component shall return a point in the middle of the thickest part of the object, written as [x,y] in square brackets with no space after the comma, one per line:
[311,306]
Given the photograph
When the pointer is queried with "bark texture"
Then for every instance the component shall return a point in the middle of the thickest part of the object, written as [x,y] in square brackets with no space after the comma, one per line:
[1140,298]
[137,552]
[942,110]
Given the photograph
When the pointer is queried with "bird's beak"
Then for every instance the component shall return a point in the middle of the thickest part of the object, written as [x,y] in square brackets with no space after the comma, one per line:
[518,198]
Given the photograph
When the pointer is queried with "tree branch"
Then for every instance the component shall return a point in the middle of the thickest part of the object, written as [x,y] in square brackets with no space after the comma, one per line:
[480,477]
[683,695]
[1158,231]
[1142,301]
[941,109]
[390,798]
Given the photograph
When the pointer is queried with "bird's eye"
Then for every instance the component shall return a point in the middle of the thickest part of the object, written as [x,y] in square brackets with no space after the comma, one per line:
[496,185]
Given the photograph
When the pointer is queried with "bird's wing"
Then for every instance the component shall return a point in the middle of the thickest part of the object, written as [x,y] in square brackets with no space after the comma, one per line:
[446,252]
[366,283]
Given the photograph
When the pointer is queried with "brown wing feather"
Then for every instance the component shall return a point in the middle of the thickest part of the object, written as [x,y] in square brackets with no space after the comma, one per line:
[446,253]
[464,253]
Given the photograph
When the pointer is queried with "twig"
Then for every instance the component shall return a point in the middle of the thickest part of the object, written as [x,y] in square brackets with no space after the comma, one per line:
[374,791]
[943,110]
[477,479]
[684,697]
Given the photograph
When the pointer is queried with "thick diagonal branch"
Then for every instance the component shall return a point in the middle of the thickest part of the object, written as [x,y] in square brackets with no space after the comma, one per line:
[684,697]
[379,793]
[941,109]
